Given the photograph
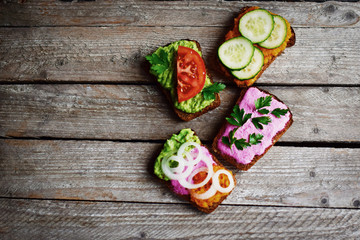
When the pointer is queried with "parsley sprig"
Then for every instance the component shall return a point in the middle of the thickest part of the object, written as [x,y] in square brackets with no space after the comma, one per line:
[239,118]
[209,92]
[262,102]
[277,112]
[260,121]
[159,62]
[241,143]
[255,138]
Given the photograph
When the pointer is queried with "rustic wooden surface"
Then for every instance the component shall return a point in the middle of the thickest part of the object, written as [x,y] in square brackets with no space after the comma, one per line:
[81,121]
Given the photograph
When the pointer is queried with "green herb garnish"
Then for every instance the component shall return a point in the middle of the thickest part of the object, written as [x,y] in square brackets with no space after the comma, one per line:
[209,92]
[263,102]
[240,144]
[277,112]
[229,141]
[255,138]
[159,63]
[239,118]
[263,111]
[260,121]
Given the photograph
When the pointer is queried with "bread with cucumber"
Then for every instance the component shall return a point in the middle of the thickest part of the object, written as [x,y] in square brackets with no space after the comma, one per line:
[256,39]
[180,71]
[190,170]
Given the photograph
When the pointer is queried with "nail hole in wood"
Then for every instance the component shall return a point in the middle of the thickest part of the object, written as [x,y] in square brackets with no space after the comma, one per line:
[330,9]
[143,235]
[316,130]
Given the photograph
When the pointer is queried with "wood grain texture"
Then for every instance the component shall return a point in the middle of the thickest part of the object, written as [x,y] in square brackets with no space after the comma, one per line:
[139,112]
[33,219]
[117,54]
[122,171]
[170,13]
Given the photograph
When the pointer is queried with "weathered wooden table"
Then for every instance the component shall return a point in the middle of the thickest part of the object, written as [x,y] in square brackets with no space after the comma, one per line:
[81,121]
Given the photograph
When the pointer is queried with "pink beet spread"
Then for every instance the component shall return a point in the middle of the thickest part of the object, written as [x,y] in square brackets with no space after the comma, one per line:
[269,131]
[178,189]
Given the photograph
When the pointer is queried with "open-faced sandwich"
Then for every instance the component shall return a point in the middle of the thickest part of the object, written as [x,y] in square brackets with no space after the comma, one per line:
[256,39]
[258,120]
[181,73]
[192,172]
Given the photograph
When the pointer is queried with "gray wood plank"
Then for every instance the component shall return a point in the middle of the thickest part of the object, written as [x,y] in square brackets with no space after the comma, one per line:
[122,171]
[170,13]
[34,219]
[117,54]
[138,112]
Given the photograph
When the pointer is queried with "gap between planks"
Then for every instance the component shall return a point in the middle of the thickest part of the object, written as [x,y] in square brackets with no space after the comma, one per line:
[171,203]
[327,144]
[76,220]
[183,13]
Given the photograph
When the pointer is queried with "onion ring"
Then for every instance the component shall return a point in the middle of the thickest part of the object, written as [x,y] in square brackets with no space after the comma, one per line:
[189,185]
[215,181]
[215,186]
[189,158]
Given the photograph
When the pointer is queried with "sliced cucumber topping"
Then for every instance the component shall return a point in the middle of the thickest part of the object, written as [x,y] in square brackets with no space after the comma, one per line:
[277,36]
[253,68]
[256,25]
[236,53]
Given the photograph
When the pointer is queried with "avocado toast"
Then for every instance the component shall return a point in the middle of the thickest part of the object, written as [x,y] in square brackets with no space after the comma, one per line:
[181,74]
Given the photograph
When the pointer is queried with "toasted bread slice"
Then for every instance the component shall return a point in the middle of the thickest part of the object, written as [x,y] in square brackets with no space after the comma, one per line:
[246,158]
[189,116]
[269,54]
[204,205]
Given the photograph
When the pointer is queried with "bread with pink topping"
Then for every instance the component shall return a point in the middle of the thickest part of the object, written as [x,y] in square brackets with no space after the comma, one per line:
[257,122]
[207,183]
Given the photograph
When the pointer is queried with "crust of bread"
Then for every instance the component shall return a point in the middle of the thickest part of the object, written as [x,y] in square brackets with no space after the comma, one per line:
[234,30]
[189,116]
[187,197]
[245,167]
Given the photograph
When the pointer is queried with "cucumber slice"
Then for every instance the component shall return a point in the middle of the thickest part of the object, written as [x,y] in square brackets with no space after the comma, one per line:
[253,68]
[278,35]
[236,53]
[256,25]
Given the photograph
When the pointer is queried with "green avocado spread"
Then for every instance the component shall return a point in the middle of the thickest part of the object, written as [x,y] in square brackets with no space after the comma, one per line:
[167,79]
[171,147]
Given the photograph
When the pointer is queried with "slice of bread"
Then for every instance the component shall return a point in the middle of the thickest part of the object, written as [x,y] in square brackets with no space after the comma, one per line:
[269,54]
[246,158]
[207,205]
[189,116]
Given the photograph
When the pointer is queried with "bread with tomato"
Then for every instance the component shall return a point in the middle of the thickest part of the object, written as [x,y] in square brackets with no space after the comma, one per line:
[241,76]
[181,73]
[190,170]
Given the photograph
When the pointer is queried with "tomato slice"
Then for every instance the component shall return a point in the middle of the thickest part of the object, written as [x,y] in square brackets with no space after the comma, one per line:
[191,73]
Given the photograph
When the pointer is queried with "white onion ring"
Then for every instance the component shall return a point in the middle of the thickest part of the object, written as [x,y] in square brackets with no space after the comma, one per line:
[218,187]
[187,154]
[215,186]
[178,172]
[196,171]
[206,195]
[174,173]
[189,185]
